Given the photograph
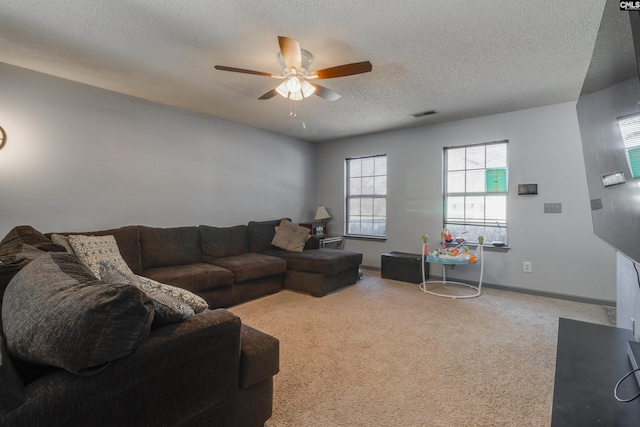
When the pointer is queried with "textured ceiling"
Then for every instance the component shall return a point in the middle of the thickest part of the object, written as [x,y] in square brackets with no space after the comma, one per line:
[462,58]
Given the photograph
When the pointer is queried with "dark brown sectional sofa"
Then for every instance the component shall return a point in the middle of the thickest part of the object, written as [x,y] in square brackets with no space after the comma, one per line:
[230,265]
[208,370]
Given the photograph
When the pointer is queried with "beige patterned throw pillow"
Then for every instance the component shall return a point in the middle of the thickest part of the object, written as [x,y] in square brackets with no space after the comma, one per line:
[92,250]
[150,286]
[290,237]
[167,309]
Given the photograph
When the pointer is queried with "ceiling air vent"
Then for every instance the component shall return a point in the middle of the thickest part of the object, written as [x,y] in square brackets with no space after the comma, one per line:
[424,113]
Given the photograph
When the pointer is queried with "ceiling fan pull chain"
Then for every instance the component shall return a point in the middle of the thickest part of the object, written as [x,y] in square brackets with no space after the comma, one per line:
[293,110]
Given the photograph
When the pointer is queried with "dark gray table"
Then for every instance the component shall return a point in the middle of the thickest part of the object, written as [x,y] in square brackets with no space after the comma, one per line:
[589,362]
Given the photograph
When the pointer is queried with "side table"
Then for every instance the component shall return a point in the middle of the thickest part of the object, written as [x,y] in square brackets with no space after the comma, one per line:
[452,261]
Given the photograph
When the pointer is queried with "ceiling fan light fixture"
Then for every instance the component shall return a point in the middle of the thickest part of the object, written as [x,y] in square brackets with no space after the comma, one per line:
[307,89]
[295,64]
[293,84]
[282,90]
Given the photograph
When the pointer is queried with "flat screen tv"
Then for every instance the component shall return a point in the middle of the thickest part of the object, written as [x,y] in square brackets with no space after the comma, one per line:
[611,93]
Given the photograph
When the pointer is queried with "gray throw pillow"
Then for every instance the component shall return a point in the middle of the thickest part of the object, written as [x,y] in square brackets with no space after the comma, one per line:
[55,312]
[166,308]
[11,388]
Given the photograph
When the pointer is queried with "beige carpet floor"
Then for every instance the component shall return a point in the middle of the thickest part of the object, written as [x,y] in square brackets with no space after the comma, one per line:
[383,353]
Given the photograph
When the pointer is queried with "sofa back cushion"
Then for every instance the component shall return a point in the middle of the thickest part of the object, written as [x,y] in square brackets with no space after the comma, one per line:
[18,248]
[25,234]
[260,234]
[55,312]
[128,239]
[164,247]
[220,242]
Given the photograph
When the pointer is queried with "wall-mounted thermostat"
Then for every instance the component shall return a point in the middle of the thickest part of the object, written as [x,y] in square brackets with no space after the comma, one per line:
[613,179]
[524,189]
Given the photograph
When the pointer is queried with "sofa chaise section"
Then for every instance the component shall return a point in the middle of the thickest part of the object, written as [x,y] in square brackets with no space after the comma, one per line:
[315,271]
[319,271]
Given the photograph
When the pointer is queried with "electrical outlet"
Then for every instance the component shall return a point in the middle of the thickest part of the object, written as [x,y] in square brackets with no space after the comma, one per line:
[526,267]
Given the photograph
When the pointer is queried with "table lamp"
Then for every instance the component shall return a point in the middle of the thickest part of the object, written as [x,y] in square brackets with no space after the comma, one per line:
[321,215]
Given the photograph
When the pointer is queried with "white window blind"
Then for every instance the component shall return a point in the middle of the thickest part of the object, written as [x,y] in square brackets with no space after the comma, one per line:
[630,130]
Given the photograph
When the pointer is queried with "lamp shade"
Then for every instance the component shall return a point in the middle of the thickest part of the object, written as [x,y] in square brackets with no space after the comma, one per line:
[321,213]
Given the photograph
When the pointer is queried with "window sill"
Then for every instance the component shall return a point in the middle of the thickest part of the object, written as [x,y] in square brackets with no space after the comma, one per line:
[497,248]
[490,247]
[365,237]
[487,247]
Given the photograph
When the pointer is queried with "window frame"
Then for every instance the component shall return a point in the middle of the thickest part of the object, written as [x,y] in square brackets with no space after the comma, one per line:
[629,126]
[476,227]
[349,196]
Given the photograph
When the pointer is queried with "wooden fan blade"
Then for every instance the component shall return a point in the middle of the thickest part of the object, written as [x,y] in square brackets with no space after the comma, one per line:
[291,54]
[269,94]
[242,70]
[344,70]
[325,93]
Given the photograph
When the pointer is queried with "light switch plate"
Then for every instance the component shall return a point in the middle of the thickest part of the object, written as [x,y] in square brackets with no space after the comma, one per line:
[553,208]
[612,179]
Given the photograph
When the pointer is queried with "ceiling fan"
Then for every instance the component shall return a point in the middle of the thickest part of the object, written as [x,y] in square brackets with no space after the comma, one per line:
[295,64]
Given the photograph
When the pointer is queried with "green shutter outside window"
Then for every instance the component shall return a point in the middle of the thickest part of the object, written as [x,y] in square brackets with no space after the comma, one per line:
[496,180]
[634,161]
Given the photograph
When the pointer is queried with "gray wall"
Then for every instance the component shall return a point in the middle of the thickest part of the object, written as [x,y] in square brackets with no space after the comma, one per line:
[545,148]
[80,158]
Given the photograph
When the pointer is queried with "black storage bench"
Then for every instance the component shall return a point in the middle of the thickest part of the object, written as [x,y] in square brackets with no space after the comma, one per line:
[403,266]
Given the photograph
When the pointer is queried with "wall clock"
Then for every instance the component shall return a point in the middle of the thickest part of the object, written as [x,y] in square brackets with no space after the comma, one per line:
[3,138]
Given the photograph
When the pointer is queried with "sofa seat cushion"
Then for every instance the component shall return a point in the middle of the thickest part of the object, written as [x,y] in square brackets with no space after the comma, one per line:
[251,266]
[259,356]
[196,277]
[323,261]
[55,312]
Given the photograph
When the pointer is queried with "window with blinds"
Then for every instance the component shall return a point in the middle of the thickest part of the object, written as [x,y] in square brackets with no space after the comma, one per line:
[366,194]
[630,130]
[475,191]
